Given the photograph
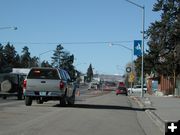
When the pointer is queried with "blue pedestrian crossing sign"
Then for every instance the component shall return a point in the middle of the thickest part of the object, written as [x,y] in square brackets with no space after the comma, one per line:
[137,47]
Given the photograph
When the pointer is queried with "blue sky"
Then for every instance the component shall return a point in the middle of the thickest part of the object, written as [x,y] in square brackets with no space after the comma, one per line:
[43,24]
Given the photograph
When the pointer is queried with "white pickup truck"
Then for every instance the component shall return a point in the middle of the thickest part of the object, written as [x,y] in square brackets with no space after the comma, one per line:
[137,88]
[44,84]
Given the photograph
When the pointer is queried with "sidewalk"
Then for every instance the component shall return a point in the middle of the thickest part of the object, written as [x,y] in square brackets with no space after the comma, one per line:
[160,109]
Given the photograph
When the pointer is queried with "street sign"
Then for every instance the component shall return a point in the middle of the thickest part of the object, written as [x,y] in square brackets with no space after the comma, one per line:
[137,47]
[131,77]
[128,69]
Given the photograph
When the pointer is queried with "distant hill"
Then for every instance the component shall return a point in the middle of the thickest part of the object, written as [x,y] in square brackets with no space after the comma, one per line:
[109,77]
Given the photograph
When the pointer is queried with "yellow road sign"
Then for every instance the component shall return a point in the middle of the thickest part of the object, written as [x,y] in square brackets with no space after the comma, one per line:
[131,77]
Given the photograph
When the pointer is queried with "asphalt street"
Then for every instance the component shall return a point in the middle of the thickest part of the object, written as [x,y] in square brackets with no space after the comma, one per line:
[104,114]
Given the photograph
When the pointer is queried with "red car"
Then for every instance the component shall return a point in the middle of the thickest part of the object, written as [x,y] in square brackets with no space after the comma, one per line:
[121,90]
[121,84]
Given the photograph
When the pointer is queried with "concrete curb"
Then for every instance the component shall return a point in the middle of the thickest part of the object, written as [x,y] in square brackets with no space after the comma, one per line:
[140,104]
[156,119]
[151,114]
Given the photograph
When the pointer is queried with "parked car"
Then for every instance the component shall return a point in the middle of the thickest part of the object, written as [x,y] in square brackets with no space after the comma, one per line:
[121,90]
[44,84]
[137,88]
[11,84]
[93,85]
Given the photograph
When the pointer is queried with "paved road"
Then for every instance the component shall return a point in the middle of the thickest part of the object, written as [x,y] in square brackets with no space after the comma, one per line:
[98,115]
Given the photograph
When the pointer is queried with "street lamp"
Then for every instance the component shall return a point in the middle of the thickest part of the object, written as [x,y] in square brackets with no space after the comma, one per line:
[130,49]
[142,47]
[40,56]
[3,28]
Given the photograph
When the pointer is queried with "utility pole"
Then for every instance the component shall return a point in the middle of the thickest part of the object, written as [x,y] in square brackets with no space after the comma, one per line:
[142,47]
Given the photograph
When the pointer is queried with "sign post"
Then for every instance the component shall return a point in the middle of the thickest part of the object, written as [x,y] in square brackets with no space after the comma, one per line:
[138,47]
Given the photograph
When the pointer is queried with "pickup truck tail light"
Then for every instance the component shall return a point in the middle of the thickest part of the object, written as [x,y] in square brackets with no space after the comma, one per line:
[61,85]
[24,84]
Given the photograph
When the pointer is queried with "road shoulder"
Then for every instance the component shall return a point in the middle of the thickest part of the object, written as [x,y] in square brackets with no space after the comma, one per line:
[144,120]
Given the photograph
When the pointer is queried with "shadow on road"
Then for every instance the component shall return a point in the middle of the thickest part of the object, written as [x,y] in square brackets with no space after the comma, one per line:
[108,107]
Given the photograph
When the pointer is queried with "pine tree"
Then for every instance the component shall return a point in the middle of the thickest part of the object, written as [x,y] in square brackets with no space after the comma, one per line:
[9,54]
[45,64]
[63,59]
[1,55]
[17,61]
[90,73]
[25,58]
[57,56]
[67,63]
[2,59]
[8,58]
[34,61]
[164,39]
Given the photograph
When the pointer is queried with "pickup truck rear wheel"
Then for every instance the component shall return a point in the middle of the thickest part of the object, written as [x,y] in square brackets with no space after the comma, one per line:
[28,101]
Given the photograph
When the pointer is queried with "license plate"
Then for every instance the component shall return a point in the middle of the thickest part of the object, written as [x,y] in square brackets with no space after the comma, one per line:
[42,93]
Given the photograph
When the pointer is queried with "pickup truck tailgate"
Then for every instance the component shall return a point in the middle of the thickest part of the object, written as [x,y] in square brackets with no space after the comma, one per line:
[42,85]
